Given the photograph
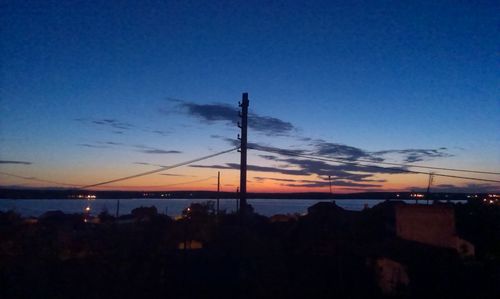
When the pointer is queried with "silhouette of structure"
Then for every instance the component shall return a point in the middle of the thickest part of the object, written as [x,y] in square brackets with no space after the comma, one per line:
[243,150]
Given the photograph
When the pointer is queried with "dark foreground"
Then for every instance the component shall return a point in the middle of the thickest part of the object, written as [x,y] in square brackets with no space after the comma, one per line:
[330,253]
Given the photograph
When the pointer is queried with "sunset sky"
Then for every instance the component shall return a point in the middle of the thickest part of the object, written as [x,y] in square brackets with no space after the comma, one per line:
[95,90]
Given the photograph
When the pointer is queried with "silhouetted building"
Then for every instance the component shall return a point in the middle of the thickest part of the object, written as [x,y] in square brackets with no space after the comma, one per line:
[432,225]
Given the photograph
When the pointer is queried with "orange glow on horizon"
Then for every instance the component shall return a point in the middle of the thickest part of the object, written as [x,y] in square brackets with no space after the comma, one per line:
[205,179]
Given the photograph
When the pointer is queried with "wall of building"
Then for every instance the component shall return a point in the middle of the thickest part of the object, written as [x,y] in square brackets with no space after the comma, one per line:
[432,225]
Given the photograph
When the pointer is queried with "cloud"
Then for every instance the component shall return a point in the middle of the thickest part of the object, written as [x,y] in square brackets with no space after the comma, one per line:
[140,148]
[319,184]
[324,148]
[269,125]
[296,162]
[159,151]
[343,151]
[316,183]
[118,127]
[102,144]
[172,174]
[15,162]
[261,179]
[210,113]
[160,132]
[350,170]
[149,164]
[151,150]
[350,174]
[92,145]
[417,155]
[253,168]
[113,123]
[307,167]
[110,143]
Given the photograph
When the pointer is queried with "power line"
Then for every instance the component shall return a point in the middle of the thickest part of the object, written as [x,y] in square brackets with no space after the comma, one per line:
[288,153]
[159,169]
[37,179]
[189,182]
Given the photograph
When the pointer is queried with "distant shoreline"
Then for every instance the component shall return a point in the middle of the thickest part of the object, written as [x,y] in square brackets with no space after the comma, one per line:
[188,194]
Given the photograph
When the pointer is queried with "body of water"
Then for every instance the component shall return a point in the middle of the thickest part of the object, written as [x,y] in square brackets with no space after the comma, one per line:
[171,207]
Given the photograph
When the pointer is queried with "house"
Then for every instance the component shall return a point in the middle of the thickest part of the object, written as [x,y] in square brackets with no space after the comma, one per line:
[432,225]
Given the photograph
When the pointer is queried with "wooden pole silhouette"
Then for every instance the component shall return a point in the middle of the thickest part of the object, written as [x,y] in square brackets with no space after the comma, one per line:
[218,191]
[243,149]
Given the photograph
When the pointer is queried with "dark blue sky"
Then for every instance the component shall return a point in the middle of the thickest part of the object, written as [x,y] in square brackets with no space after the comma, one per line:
[374,75]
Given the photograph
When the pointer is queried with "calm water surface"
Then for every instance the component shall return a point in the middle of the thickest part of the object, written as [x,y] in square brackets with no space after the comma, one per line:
[171,207]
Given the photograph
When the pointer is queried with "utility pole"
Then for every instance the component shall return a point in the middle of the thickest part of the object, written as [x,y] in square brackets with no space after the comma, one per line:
[237,201]
[243,149]
[428,193]
[330,180]
[218,191]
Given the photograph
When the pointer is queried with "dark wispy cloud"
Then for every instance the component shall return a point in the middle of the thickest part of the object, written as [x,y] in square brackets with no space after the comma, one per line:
[109,143]
[338,150]
[307,167]
[324,148]
[180,175]
[151,150]
[160,132]
[149,164]
[159,151]
[119,127]
[295,162]
[15,162]
[229,114]
[417,155]
[261,179]
[253,168]
[92,145]
[350,170]
[139,147]
[348,165]
[341,151]
[114,124]
[319,184]
[316,183]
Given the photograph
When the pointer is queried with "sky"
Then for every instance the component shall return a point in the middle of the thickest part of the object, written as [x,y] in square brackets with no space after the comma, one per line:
[92,91]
